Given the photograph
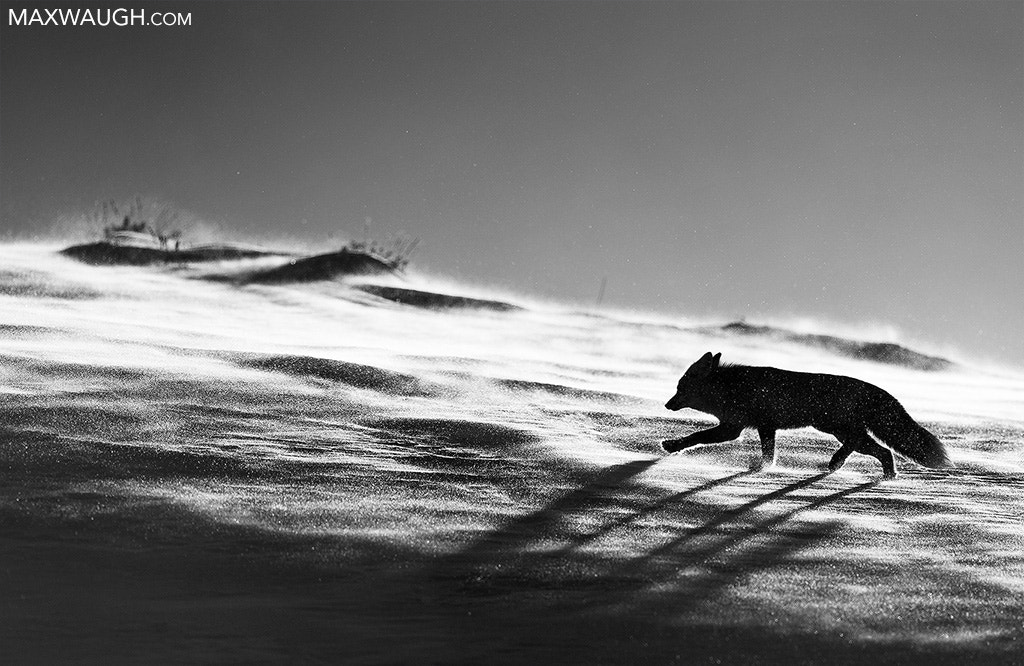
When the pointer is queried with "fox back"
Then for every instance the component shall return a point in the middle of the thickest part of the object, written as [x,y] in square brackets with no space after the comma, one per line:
[758,396]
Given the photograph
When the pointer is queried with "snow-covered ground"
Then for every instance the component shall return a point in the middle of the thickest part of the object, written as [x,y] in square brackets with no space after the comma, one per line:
[199,471]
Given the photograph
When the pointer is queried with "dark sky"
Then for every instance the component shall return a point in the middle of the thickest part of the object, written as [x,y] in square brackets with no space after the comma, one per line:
[862,162]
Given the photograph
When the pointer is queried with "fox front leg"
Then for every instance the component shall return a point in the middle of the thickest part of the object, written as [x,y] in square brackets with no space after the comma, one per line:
[767,436]
[723,432]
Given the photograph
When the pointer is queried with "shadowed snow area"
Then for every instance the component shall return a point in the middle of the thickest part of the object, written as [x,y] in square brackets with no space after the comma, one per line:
[214,471]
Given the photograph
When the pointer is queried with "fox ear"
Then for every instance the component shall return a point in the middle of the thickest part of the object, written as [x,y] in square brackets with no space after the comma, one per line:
[702,367]
[716,360]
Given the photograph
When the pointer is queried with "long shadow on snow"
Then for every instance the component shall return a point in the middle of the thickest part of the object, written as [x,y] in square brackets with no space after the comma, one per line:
[517,533]
[643,511]
[727,516]
[515,552]
[723,532]
[644,595]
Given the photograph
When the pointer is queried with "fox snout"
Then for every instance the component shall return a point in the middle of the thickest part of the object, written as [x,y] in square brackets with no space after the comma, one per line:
[674,403]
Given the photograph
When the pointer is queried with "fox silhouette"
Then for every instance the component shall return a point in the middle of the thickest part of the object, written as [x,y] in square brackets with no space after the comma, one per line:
[769,399]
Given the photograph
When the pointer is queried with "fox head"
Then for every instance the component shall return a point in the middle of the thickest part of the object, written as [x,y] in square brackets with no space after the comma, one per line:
[689,390]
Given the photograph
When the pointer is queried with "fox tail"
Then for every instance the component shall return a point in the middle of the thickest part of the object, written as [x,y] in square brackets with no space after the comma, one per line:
[905,435]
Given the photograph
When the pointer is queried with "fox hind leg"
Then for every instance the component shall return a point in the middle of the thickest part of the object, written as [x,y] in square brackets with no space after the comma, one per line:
[872,448]
[840,457]
[861,442]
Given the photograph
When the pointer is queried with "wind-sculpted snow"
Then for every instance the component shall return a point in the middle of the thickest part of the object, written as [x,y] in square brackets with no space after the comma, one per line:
[353,374]
[104,253]
[31,283]
[197,470]
[323,267]
[560,389]
[881,352]
[427,299]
